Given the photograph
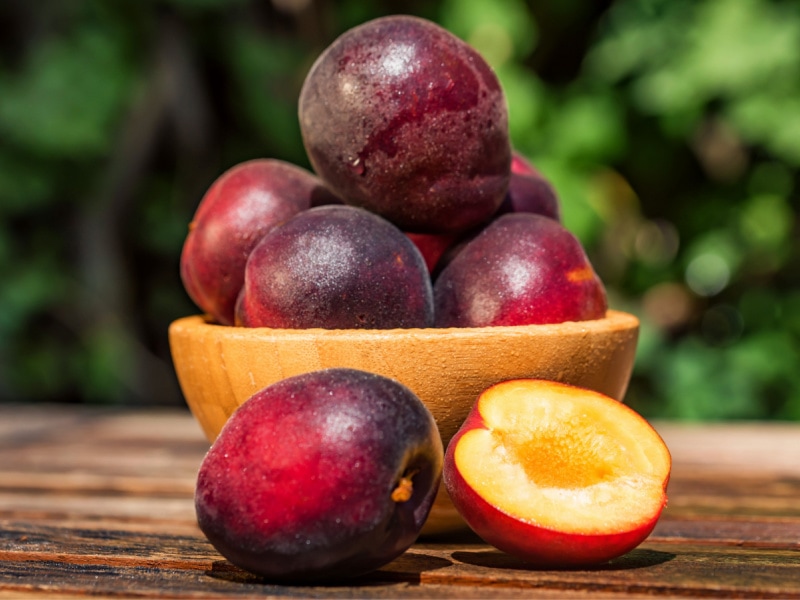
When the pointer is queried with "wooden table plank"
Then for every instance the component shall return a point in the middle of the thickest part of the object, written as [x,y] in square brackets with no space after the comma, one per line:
[654,568]
[99,502]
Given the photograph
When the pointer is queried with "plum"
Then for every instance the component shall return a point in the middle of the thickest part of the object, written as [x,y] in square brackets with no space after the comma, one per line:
[531,194]
[403,118]
[521,269]
[529,190]
[238,208]
[432,246]
[336,267]
[557,475]
[522,165]
[320,476]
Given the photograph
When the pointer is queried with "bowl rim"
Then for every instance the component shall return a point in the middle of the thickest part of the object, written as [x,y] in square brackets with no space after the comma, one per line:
[615,320]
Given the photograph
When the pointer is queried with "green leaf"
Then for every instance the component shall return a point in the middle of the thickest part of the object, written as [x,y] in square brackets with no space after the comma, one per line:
[24,186]
[586,128]
[498,29]
[766,221]
[68,98]
[267,87]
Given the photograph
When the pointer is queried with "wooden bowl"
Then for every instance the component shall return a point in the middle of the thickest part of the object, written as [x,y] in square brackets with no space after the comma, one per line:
[220,367]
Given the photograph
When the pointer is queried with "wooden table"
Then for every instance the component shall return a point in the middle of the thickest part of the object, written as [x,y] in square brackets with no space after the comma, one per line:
[99,503]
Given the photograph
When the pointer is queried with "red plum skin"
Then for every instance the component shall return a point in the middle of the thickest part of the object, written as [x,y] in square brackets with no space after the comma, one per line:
[299,484]
[401,117]
[336,267]
[522,269]
[239,207]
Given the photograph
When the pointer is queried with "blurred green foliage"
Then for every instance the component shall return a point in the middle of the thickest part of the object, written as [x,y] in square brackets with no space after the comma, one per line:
[670,128]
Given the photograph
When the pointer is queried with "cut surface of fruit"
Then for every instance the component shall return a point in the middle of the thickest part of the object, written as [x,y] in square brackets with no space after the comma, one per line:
[564,458]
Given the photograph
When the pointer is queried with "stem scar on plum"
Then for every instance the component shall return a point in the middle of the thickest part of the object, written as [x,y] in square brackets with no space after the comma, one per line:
[405,487]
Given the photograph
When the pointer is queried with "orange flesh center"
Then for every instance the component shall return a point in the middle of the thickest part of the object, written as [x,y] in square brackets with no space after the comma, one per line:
[565,458]
[562,460]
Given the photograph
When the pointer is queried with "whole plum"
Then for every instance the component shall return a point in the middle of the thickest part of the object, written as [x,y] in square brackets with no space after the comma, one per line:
[403,118]
[321,476]
[522,269]
[336,267]
[529,191]
[239,207]
[532,194]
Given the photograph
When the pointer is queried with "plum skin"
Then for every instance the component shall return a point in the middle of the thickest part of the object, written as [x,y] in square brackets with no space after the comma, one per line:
[529,190]
[531,194]
[336,267]
[537,545]
[521,269]
[432,246]
[239,207]
[401,117]
[298,485]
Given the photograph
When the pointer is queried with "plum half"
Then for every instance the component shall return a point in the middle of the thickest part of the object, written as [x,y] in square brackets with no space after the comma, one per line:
[401,117]
[336,267]
[557,475]
[522,269]
[321,476]
[239,207]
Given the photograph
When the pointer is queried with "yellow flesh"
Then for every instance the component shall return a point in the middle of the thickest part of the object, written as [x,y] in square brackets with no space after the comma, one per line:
[564,458]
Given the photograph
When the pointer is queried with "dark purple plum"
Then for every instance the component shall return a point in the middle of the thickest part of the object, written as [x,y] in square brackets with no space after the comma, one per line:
[336,267]
[401,117]
[521,165]
[521,269]
[321,476]
[239,207]
[529,190]
[531,194]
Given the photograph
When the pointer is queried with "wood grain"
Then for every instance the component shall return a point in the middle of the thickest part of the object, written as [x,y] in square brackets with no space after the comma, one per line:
[99,503]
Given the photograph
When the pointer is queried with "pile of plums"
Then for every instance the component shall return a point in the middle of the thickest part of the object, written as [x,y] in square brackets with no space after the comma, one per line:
[418,214]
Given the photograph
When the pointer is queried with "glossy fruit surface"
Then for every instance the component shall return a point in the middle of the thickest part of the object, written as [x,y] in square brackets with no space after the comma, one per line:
[521,269]
[239,207]
[401,117]
[321,476]
[336,267]
[557,475]
[521,165]
[433,246]
[530,194]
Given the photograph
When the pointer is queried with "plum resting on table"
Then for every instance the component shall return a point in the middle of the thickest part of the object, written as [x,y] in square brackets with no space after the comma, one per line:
[320,476]
[336,267]
[557,475]
[401,117]
[522,269]
[239,207]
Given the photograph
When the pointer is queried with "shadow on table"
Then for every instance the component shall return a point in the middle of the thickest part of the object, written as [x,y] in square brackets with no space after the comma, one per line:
[407,568]
[494,559]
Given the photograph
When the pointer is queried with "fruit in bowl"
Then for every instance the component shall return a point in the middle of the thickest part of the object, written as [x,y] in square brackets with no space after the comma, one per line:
[529,192]
[239,207]
[406,129]
[401,117]
[322,476]
[219,367]
[521,269]
[557,475]
[337,267]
